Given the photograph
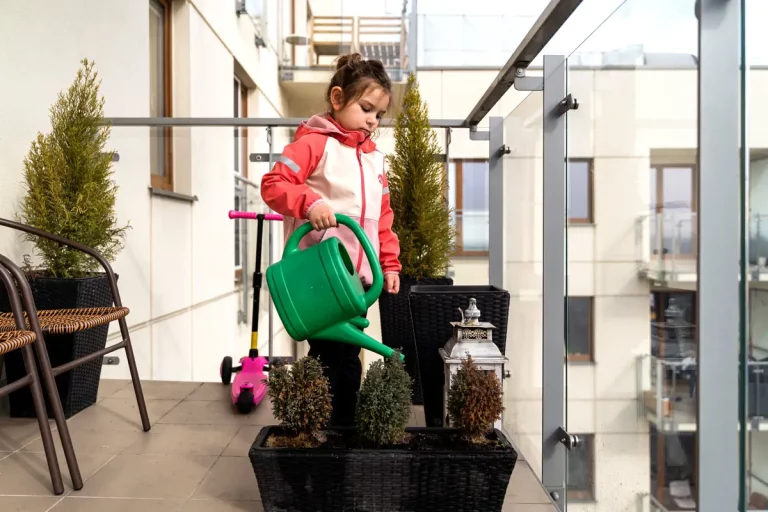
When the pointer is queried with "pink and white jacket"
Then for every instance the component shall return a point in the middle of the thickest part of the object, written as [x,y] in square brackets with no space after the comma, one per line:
[326,163]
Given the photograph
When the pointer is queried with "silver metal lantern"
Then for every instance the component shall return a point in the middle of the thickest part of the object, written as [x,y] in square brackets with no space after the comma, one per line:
[471,337]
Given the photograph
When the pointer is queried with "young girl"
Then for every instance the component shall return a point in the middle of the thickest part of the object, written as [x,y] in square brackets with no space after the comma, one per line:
[333,166]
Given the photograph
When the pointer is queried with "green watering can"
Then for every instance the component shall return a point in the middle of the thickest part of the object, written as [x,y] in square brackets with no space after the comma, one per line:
[318,294]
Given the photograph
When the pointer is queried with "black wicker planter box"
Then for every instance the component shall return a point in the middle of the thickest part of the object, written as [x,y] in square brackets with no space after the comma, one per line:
[432,309]
[347,479]
[397,327]
[79,387]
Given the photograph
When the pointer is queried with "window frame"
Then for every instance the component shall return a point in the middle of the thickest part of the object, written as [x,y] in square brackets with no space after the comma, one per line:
[590,356]
[459,200]
[658,171]
[241,139]
[585,495]
[166,181]
[590,218]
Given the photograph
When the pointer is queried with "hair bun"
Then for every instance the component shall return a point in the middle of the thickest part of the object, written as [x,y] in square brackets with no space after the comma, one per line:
[350,59]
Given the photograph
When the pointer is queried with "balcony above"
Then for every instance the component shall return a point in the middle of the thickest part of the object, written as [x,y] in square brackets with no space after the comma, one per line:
[667,249]
[667,391]
[307,63]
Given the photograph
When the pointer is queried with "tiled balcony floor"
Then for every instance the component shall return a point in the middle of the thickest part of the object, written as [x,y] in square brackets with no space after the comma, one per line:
[193,459]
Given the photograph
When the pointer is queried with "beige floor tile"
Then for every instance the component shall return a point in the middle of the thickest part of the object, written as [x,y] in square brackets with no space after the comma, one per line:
[200,412]
[108,387]
[76,504]
[160,390]
[222,506]
[27,503]
[184,440]
[417,417]
[231,478]
[524,487]
[527,507]
[89,441]
[26,474]
[242,442]
[211,391]
[119,414]
[149,476]
[16,433]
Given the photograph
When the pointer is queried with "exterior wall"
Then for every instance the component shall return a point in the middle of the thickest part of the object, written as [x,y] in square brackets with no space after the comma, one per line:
[177,269]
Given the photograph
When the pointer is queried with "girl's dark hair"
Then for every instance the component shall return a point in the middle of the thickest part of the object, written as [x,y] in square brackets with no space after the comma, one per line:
[354,75]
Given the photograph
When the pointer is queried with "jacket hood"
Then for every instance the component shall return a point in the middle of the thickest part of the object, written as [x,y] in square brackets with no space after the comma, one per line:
[324,124]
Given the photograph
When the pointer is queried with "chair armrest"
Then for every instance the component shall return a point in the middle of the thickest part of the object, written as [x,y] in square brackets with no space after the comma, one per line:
[69,243]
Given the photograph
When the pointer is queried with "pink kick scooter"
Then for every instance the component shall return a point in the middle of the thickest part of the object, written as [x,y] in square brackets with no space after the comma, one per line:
[250,384]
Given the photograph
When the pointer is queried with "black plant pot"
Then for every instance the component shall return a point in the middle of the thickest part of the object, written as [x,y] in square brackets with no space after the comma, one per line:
[79,387]
[349,479]
[432,310]
[397,327]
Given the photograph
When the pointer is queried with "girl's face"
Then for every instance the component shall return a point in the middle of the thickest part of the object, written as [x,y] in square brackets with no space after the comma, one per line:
[362,114]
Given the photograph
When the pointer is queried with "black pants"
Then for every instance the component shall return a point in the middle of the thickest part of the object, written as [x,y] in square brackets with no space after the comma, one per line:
[342,366]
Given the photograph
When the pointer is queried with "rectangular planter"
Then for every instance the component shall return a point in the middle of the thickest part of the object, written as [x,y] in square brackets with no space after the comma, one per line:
[397,327]
[433,308]
[382,480]
[78,387]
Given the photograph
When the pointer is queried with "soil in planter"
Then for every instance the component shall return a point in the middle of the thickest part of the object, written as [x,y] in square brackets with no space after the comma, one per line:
[412,441]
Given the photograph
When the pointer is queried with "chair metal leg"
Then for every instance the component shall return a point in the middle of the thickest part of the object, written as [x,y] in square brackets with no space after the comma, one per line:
[7,275]
[42,419]
[53,395]
[45,367]
[134,375]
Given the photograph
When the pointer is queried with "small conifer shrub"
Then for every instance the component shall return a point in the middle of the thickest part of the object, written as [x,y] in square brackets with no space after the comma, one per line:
[418,185]
[384,402]
[301,399]
[475,401]
[68,182]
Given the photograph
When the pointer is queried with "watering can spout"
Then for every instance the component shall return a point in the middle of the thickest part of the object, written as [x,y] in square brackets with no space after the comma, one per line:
[349,332]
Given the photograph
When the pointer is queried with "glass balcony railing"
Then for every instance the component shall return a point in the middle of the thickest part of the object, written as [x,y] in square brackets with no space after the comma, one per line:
[668,392]
[667,249]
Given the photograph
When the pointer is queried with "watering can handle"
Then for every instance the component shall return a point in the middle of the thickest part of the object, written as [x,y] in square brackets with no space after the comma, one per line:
[372,295]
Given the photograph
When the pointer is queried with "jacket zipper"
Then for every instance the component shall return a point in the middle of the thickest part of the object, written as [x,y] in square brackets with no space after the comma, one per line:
[362,209]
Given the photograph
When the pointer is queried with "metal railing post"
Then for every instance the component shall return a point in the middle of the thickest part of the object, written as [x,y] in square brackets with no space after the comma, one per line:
[270,259]
[553,396]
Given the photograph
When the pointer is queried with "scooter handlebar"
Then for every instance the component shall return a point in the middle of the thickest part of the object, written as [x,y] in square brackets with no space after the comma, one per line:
[234,214]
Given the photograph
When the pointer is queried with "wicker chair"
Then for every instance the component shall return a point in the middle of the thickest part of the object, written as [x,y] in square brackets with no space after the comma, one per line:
[21,338]
[69,321]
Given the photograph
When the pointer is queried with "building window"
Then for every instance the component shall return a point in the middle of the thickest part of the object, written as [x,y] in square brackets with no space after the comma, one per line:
[581,470]
[580,185]
[580,329]
[160,102]
[673,191]
[240,160]
[468,197]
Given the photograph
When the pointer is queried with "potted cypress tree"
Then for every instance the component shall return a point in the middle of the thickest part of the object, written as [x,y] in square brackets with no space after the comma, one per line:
[381,465]
[69,191]
[418,186]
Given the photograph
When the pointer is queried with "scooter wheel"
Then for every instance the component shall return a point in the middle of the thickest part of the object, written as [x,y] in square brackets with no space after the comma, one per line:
[226,370]
[245,402]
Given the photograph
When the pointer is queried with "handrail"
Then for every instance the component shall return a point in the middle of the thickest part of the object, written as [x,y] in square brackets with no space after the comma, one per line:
[263,122]
[549,22]
[245,180]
